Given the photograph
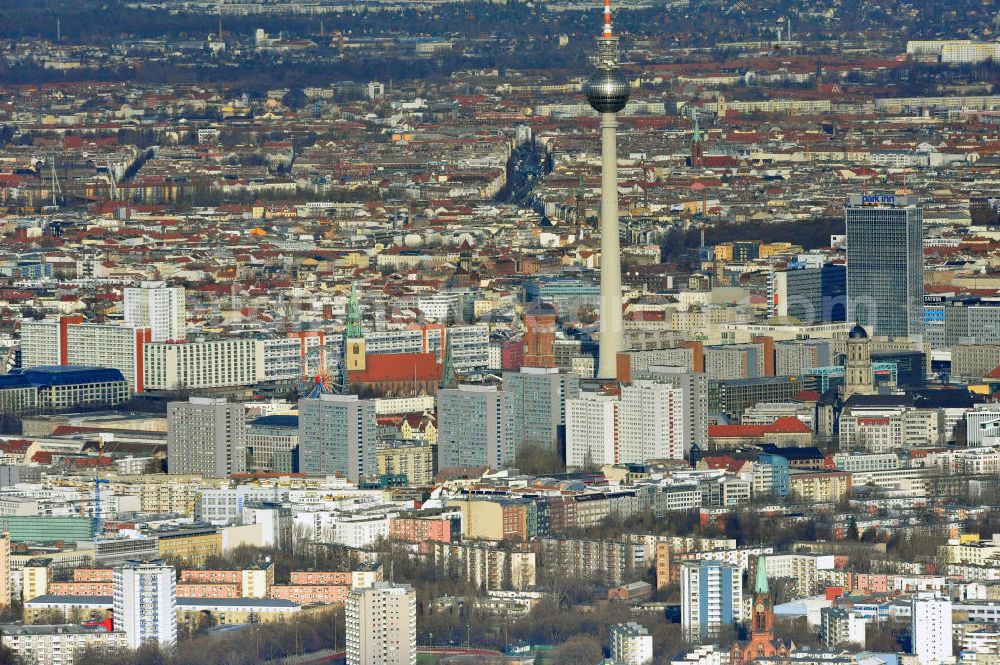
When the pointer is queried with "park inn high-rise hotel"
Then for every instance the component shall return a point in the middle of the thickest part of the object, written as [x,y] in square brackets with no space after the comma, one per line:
[885,263]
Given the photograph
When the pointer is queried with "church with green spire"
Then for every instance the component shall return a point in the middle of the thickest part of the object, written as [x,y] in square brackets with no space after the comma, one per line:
[355,353]
[762,643]
[352,328]
[697,144]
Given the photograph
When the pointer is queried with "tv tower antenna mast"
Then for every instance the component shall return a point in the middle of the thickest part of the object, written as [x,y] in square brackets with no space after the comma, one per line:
[607,91]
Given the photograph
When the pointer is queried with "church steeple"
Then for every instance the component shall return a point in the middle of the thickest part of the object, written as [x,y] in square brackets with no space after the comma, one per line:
[697,144]
[760,584]
[355,353]
[762,627]
[449,379]
[353,321]
[581,210]
[761,643]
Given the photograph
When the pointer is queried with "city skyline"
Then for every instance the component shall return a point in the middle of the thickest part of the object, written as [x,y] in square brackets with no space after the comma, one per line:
[427,332]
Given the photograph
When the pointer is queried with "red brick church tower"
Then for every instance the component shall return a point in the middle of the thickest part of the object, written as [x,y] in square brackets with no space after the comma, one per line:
[761,643]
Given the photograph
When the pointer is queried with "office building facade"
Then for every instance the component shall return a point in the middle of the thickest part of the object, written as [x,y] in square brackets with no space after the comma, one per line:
[538,398]
[475,427]
[809,294]
[273,444]
[206,436]
[885,264]
[337,434]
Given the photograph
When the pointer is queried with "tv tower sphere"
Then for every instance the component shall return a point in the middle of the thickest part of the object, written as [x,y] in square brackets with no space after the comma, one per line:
[607,91]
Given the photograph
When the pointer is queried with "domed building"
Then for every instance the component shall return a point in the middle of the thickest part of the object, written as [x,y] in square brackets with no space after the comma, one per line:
[858,366]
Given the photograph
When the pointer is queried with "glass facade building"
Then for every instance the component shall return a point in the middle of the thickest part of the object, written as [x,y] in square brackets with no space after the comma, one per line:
[885,264]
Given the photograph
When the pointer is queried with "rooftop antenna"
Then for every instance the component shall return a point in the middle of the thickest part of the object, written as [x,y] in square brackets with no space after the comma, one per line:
[607,19]
[97,488]
[58,29]
[220,21]
[56,189]
[468,503]
[113,182]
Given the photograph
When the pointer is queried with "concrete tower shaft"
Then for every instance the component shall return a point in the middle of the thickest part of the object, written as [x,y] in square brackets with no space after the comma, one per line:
[607,91]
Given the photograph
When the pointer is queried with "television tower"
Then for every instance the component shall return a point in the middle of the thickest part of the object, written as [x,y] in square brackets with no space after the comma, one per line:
[607,91]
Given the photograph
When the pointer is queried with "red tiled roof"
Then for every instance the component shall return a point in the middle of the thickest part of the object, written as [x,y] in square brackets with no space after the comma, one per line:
[15,446]
[734,431]
[807,396]
[723,462]
[398,367]
[783,425]
[788,425]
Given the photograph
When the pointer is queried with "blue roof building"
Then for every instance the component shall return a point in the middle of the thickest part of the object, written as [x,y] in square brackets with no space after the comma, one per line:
[61,387]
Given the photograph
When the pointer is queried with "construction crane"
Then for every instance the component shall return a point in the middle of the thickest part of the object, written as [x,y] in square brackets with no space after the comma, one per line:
[8,356]
[112,182]
[193,504]
[98,481]
[56,188]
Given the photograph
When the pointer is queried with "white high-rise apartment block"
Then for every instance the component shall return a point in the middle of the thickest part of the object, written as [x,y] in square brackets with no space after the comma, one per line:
[145,603]
[381,625]
[441,305]
[631,644]
[930,617]
[5,564]
[652,422]
[591,430]
[210,363]
[206,436]
[70,341]
[475,427]
[159,307]
[711,597]
[40,343]
[694,385]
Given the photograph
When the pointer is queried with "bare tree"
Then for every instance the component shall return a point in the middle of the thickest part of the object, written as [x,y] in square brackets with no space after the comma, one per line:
[580,650]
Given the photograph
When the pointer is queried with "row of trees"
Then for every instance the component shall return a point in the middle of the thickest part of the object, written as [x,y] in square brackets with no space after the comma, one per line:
[252,645]
[677,244]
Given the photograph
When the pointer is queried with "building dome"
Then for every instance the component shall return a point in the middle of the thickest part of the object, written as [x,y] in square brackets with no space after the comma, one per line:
[857,332]
[607,91]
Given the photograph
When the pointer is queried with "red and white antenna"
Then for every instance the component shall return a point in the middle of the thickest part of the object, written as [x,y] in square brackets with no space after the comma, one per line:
[607,19]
